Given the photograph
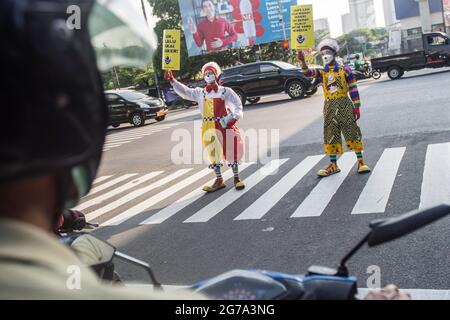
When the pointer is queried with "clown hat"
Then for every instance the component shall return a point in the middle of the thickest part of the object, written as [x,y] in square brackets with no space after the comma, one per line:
[214,67]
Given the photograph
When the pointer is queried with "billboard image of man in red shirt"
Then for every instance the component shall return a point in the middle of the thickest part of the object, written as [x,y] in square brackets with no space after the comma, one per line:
[215,31]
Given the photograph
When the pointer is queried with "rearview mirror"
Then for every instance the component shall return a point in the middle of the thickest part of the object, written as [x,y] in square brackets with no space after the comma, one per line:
[393,228]
[93,251]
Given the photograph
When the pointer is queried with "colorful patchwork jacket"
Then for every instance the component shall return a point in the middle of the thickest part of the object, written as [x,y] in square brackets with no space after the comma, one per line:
[337,83]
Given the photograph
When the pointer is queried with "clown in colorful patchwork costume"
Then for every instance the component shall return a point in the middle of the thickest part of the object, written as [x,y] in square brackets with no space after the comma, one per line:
[220,108]
[341,109]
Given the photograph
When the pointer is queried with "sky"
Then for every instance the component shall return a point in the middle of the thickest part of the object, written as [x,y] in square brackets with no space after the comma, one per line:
[334,9]
[331,9]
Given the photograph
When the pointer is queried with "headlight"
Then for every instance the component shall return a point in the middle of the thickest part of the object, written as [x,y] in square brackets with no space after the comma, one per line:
[143,105]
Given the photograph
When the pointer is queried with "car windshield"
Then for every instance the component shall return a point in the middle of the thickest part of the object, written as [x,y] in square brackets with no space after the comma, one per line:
[133,95]
[284,65]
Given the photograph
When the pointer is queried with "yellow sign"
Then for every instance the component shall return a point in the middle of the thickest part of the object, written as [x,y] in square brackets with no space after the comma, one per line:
[171,50]
[302,27]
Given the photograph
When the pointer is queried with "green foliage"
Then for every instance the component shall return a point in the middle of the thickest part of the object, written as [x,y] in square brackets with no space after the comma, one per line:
[363,40]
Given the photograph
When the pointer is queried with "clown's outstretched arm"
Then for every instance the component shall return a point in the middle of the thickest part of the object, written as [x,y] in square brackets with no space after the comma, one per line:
[192,94]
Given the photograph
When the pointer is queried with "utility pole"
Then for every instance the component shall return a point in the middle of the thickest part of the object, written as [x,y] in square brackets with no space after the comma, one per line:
[114,70]
[286,52]
[154,69]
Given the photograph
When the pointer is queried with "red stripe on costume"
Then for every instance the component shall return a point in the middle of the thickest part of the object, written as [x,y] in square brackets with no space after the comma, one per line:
[230,139]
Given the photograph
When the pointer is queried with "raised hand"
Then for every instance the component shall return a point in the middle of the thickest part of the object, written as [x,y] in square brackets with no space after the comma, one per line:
[169,75]
[191,25]
[301,57]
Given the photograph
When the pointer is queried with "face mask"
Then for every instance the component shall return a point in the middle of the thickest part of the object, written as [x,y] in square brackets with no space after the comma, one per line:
[328,58]
[210,78]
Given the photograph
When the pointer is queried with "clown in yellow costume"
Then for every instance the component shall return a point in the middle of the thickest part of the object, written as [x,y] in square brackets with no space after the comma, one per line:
[220,108]
[341,109]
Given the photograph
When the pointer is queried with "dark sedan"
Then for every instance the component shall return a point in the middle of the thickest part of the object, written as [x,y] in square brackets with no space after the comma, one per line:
[129,106]
[254,80]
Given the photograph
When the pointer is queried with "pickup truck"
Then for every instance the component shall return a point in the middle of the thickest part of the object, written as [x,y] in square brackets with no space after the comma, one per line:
[435,54]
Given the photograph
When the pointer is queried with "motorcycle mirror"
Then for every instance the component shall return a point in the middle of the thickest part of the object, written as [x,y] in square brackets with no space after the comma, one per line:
[93,251]
[385,230]
[393,228]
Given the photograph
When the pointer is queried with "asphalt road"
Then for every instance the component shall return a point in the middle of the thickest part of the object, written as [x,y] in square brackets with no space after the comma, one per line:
[289,220]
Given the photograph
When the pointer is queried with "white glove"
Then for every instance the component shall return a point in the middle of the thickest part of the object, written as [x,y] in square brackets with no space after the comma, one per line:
[225,120]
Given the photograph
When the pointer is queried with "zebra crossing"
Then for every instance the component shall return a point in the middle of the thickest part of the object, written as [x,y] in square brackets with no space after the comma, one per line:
[115,199]
[115,140]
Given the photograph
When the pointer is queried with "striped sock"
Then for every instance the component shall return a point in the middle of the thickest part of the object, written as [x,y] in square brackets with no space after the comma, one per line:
[333,158]
[359,155]
[235,171]
[218,172]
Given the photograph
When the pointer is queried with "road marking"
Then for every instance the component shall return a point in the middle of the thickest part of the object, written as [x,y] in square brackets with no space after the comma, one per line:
[321,195]
[107,145]
[191,197]
[436,176]
[114,192]
[131,136]
[264,203]
[144,205]
[211,210]
[136,193]
[100,179]
[123,139]
[375,194]
[110,183]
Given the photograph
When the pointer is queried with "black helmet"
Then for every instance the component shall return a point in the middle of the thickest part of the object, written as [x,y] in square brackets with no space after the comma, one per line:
[53,108]
[357,56]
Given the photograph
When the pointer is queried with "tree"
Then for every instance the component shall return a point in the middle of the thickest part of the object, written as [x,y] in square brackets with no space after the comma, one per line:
[361,40]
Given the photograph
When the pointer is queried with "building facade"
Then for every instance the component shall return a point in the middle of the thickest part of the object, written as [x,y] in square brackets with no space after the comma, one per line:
[412,18]
[322,25]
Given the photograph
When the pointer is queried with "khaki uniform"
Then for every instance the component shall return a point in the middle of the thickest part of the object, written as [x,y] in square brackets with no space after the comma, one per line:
[35,265]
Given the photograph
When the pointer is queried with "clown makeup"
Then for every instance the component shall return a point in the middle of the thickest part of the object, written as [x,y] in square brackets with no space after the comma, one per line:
[327,56]
[210,77]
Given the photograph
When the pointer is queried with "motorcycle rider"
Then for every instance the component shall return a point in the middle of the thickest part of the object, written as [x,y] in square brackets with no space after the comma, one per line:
[50,156]
[358,64]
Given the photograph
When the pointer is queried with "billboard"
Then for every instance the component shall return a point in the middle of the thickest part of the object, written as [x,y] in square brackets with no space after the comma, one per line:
[410,8]
[217,25]
[446,8]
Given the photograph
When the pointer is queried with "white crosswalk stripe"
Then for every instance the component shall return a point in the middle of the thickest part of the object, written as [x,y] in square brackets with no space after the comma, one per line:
[129,195]
[321,195]
[109,184]
[128,138]
[115,140]
[100,179]
[142,206]
[136,193]
[375,194]
[436,176]
[108,145]
[261,206]
[228,198]
[114,192]
[188,199]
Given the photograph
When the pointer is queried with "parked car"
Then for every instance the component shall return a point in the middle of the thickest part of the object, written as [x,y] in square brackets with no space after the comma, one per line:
[435,54]
[129,106]
[255,80]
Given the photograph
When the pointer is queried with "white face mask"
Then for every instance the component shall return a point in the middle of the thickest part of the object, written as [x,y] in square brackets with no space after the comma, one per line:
[327,58]
[210,78]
